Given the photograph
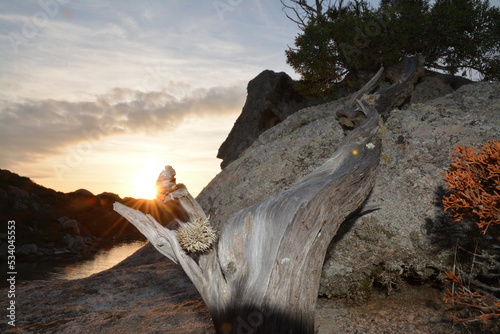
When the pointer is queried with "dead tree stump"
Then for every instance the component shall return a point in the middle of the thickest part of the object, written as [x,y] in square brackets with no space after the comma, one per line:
[261,273]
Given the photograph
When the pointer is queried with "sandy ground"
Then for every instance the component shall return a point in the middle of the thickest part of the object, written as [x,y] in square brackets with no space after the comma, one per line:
[149,294]
[412,309]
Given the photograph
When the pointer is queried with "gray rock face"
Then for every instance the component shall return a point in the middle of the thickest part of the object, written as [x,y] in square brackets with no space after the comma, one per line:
[433,85]
[271,99]
[429,88]
[275,161]
[397,240]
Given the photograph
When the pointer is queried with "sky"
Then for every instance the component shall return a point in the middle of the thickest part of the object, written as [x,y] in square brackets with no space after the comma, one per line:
[103,94]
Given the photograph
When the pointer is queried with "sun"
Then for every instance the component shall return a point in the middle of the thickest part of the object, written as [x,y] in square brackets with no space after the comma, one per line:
[144,184]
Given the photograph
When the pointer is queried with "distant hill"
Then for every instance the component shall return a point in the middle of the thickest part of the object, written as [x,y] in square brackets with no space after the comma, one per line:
[49,222]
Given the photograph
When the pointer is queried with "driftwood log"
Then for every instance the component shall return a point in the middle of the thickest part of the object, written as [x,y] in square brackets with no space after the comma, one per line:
[260,272]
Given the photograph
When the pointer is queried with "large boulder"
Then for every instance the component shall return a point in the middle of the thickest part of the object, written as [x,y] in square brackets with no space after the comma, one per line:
[69,225]
[271,99]
[399,241]
[396,242]
[275,161]
[433,85]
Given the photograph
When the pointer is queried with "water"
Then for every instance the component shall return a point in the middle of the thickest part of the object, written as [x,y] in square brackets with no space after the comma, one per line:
[103,260]
[67,269]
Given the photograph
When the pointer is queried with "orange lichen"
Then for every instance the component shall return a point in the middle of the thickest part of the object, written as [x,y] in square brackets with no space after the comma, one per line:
[474,182]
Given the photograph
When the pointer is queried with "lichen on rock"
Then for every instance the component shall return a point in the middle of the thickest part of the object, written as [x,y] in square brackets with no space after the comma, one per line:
[416,142]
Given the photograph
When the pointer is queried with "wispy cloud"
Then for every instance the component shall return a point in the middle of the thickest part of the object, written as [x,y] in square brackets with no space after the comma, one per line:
[30,130]
[62,119]
[90,47]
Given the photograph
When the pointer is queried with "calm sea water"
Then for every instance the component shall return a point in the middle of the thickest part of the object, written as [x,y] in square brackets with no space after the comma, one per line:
[65,269]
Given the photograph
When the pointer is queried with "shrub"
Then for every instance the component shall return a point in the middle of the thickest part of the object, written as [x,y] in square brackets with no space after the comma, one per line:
[474,182]
[474,195]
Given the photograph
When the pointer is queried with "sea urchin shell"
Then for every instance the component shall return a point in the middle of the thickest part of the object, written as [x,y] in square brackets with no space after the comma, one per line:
[196,237]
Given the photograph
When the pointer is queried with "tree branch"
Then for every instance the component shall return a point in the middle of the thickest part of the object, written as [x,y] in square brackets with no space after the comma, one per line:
[304,12]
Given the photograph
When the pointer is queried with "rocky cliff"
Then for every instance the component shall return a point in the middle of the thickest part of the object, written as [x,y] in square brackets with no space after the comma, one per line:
[271,98]
[51,223]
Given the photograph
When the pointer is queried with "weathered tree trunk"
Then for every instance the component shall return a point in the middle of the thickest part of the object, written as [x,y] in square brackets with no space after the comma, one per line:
[262,274]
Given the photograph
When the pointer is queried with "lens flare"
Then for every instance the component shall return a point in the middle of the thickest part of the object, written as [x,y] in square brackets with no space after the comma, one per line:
[144,185]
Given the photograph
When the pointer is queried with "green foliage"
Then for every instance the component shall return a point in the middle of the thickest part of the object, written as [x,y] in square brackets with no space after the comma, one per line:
[452,35]
[468,36]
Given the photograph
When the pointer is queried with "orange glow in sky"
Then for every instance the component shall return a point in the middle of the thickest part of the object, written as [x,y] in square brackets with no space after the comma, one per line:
[101,95]
[129,165]
[144,184]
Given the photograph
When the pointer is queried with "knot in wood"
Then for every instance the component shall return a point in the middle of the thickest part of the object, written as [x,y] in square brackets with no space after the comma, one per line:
[160,242]
[230,269]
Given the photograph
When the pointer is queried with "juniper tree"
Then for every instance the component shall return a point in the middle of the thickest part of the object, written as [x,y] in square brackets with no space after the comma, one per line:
[342,40]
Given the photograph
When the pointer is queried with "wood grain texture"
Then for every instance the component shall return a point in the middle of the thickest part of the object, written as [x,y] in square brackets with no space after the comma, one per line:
[268,259]
[262,275]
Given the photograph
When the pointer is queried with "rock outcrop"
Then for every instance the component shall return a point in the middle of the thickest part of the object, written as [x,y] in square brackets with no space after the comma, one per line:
[271,98]
[433,85]
[73,224]
[397,241]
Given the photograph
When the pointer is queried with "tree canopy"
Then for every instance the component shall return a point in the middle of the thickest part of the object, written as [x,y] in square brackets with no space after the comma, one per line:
[341,40]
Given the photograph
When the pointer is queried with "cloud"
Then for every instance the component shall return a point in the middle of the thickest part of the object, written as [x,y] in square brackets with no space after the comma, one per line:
[33,129]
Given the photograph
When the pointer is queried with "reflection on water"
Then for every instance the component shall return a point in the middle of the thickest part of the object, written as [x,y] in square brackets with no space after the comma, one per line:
[68,269]
[103,260]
